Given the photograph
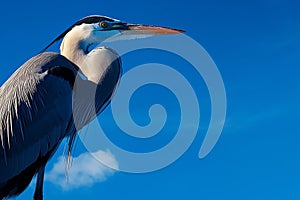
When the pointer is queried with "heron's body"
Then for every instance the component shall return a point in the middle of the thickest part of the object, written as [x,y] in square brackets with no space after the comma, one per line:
[50,97]
[45,100]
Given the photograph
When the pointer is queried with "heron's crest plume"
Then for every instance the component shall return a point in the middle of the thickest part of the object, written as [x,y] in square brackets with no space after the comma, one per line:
[86,20]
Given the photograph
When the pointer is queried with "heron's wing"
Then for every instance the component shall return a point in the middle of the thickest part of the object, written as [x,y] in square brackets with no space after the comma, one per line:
[35,111]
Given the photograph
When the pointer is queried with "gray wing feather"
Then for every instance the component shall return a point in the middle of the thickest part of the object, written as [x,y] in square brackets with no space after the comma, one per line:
[35,111]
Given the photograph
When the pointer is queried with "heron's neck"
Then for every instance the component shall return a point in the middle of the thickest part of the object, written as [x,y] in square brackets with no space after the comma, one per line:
[93,65]
[73,48]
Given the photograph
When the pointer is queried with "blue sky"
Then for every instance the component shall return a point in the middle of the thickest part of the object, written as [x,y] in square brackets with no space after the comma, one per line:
[255,45]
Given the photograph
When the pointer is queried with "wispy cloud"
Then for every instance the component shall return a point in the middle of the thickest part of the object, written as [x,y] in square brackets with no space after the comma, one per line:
[85,170]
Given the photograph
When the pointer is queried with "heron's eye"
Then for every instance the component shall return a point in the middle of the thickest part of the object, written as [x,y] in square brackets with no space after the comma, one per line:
[103,24]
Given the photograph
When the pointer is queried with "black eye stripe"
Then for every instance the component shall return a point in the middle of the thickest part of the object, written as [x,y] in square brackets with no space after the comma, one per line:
[92,20]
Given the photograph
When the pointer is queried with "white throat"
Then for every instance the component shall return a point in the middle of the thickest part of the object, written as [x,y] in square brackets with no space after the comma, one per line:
[75,44]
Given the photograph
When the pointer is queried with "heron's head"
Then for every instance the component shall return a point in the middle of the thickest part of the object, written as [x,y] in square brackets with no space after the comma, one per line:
[96,29]
[108,29]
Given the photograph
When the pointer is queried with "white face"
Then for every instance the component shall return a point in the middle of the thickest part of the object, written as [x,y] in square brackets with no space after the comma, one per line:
[102,32]
[84,35]
[94,33]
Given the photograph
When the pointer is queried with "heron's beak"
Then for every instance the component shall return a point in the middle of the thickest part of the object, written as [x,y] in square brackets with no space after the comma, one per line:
[151,30]
[144,29]
[130,31]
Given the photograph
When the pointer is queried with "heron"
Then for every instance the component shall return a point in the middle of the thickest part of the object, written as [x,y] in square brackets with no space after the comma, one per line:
[52,96]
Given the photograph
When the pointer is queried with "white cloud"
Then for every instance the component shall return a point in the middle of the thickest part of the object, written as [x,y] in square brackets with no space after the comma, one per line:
[85,170]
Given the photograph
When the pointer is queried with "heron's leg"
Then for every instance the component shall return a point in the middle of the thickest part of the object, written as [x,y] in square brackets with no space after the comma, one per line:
[38,193]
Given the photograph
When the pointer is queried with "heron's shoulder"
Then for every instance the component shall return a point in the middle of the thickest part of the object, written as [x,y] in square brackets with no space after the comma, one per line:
[47,60]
